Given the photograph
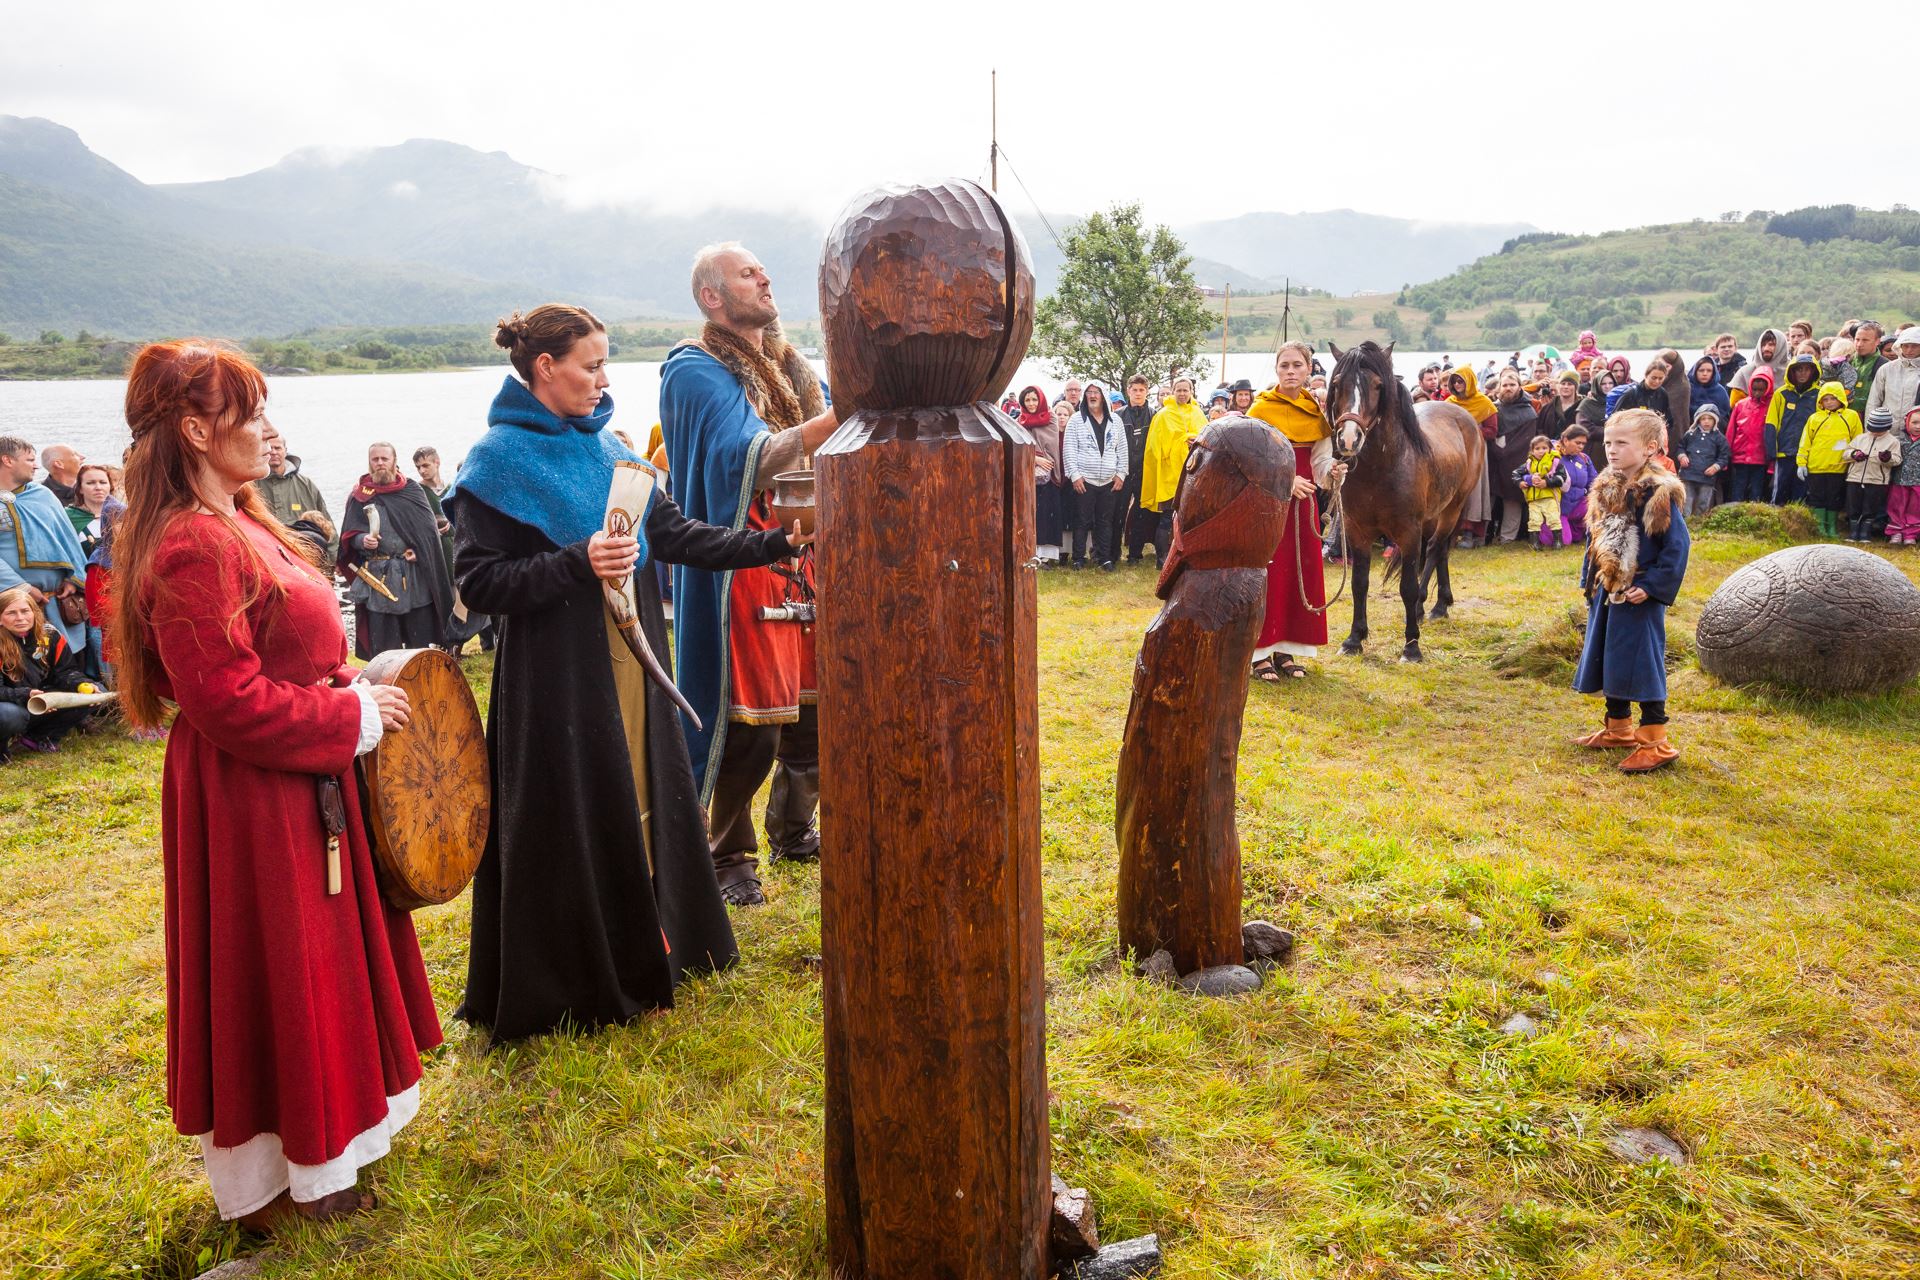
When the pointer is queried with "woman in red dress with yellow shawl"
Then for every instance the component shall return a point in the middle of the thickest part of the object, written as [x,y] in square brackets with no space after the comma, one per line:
[1293,631]
[295,1014]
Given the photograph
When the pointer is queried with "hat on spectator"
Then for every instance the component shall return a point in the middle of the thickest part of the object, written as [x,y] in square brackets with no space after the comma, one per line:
[1880,420]
[1910,334]
[1241,385]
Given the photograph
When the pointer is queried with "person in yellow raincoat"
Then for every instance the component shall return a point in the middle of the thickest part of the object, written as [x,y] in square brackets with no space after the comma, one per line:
[1168,437]
[1823,456]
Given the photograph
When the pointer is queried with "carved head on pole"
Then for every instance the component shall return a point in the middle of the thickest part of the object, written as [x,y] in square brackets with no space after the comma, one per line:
[1233,499]
[926,298]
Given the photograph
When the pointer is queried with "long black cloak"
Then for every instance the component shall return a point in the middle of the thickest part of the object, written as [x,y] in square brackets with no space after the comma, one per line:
[407,513]
[567,922]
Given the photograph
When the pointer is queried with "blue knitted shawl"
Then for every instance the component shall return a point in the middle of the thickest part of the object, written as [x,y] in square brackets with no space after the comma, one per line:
[549,473]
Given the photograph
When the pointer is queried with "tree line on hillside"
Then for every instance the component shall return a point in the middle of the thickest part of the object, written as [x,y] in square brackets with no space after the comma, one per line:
[1736,274]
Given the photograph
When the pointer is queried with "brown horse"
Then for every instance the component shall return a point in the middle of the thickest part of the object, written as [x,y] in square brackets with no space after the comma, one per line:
[1410,470]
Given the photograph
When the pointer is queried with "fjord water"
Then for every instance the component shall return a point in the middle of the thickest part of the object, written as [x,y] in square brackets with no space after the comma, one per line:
[329,420]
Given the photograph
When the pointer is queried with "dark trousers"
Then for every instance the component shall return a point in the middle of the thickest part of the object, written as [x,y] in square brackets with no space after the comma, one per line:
[1126,508]
[1650,712]
[17,722]
[750,753]
[1749,482]
[1150,526]
[1787,484]
[1867,509]
[1093,515]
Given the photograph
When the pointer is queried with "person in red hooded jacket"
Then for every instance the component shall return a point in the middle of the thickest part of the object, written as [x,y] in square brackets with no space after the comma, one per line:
[1747,434]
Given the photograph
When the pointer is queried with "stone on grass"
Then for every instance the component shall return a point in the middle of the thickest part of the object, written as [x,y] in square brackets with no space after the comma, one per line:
[1265,943]
[1072,1234]
[1520,1025]
[1824,618]
[1124,1261]
[239,1268]
[1221,980]
[1159,967]
[1642,1146]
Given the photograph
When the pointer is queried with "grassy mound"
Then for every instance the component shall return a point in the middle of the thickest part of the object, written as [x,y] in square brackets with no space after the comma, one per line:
[1757,520]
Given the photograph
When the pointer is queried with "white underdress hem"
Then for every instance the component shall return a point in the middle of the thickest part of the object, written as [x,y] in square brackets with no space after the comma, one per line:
[1287,647]
[251,1175]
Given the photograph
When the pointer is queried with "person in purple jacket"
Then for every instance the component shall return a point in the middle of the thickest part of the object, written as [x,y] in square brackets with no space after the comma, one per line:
[1578,468]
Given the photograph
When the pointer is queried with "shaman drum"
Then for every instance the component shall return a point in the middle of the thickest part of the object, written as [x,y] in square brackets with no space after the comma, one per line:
[425,788]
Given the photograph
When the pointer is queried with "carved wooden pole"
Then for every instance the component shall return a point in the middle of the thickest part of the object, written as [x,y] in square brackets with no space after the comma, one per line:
[1179,846]
[936,1133]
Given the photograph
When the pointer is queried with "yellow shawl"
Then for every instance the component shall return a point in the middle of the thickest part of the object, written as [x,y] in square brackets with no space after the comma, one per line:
[1475,401]
[1166,453]
[1297,417]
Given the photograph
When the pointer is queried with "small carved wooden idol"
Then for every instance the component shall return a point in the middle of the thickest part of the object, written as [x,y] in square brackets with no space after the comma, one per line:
[1179,848]
[936,1124]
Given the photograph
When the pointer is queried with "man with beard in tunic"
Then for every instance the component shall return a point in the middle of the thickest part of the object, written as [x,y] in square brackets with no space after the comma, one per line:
[738,406]
[391,533]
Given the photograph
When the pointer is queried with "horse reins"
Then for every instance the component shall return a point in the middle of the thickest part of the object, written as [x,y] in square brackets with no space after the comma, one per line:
[1337,512]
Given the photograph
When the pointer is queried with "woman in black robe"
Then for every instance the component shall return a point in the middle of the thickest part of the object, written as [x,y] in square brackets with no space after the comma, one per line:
[1507,452]
[592,901]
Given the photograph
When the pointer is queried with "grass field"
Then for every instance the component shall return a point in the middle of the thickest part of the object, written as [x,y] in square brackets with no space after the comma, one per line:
[1726,951]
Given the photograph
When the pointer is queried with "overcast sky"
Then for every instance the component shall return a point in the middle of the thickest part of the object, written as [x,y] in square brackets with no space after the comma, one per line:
[1464,111]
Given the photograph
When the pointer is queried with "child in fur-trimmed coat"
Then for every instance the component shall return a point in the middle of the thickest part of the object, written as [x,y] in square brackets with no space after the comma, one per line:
[1636,558]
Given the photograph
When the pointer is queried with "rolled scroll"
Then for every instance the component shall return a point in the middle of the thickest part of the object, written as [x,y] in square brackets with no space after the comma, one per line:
[627,500]
[41,704]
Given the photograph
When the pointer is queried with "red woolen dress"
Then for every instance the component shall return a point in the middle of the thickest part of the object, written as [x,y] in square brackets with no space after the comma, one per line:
[295,1018]
[1296,575]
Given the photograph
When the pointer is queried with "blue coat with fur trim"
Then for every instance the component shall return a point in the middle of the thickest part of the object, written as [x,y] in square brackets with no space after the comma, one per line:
[1636,537]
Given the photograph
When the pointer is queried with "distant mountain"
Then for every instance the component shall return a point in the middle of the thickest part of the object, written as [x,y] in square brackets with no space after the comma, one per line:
[1343,251]
[435,232]
[84,244]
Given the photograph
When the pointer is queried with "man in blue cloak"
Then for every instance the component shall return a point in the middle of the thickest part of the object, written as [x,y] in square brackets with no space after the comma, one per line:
[738,406]
[38,546]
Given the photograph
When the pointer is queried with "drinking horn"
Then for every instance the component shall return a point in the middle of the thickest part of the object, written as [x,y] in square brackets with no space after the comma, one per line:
[626,508]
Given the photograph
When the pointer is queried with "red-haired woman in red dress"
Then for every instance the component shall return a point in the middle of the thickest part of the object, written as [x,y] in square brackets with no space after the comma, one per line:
[295,1015]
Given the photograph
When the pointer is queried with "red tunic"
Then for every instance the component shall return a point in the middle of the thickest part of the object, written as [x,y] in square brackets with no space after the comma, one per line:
[771,663]
[289,1011]
[1288,620]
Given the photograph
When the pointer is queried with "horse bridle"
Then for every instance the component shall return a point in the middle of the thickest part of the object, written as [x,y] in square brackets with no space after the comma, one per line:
[1364,428]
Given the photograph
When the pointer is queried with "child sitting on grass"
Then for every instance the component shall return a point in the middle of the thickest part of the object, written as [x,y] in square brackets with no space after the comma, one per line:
[1580,474]
[1636,558]
[1540,482]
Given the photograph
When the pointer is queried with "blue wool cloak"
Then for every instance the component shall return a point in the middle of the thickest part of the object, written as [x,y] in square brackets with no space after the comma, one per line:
[714,439]
[39,547]
[1625,651]
[547,472]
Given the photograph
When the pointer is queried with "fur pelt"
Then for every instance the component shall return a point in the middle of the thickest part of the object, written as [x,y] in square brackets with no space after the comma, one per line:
[1619,509]
[780,384]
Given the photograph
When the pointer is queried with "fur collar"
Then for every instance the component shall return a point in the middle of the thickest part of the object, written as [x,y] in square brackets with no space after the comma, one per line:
[779,383]
[1654,495]
[1620,509]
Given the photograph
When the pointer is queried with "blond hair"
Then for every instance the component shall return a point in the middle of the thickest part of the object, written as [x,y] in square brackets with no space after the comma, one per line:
[1648,425]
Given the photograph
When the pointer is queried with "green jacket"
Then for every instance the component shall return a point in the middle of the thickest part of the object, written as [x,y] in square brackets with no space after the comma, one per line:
[289,495]
[1864,367]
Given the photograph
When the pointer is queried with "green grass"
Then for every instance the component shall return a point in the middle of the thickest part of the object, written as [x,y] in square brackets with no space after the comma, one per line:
[1726,950]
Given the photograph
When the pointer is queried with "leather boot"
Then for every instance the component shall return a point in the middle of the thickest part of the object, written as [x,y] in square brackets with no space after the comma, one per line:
[739,877]
[1651,750]
[1618,733]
